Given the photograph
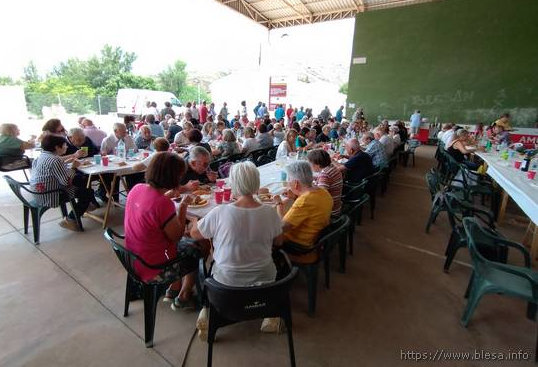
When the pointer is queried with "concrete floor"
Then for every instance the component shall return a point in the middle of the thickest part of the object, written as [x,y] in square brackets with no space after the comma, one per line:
[61,303]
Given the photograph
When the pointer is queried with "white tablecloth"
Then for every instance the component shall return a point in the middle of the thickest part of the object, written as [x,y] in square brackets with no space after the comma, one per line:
[516,184]
[113,166]
[269,177]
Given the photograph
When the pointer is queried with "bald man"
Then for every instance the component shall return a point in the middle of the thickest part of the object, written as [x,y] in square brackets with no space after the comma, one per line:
[359,164]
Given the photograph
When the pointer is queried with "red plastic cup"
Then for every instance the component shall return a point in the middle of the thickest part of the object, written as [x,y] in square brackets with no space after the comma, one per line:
[531,175]
[227,193]
[219,195]
[220,183]
[104,160]
[517,164]
[145,154]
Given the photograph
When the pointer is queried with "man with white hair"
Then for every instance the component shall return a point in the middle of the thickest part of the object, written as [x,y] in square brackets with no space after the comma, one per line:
[375,149]
[359,164]
[119,134]
[308,215]
[77,140]
[383,138]
[198,167]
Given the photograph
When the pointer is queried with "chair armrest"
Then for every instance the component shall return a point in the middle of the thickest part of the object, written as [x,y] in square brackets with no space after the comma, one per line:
[508,243]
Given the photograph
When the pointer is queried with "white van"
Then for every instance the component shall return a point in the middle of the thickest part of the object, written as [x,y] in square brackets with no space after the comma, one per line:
[133,101]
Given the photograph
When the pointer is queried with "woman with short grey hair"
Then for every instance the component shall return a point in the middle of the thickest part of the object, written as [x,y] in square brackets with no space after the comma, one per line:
[243,233]
[308,215]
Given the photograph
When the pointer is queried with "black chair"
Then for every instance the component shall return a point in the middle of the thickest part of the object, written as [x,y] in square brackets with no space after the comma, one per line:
[235,157]
[31,206]
[136,288]
[371,188]
[11,163]
[229,305]
[271,152]
[215,165]
[332,235]
[353,200]
[457,210]
[264,159]
[255,154]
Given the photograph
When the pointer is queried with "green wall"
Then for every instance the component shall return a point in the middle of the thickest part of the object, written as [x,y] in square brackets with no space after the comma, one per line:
[455,60]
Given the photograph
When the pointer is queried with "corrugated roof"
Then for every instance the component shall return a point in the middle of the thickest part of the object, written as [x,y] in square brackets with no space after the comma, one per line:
[286,13]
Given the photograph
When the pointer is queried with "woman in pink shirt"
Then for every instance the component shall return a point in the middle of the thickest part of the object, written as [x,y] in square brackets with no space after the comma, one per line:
[153,227]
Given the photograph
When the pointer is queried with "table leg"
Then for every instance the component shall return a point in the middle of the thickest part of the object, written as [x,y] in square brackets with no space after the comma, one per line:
[110,200]
[531,239]
[502,208]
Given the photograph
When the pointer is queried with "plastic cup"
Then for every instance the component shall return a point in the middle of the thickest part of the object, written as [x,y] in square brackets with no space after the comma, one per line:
[97,159]
[85,150]
[104,160]
[517,164]
[227,193]
[219,196]
[531,175]
[130,153]
[283,176]
[220,183]
[145,154]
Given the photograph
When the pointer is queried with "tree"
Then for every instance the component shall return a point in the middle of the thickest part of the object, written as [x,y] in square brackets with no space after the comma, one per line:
[112,63]
[6,80]
[343,88]
[190,93]
[30,73]
[173,78]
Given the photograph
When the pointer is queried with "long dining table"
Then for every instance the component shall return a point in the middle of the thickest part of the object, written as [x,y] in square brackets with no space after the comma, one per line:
[270,177]
[522,190]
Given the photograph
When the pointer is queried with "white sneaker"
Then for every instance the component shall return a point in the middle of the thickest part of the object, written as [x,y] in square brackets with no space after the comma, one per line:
[271,325]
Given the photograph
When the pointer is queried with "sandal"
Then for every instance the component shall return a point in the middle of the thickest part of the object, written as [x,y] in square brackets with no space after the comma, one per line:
[182,305]
[170,295]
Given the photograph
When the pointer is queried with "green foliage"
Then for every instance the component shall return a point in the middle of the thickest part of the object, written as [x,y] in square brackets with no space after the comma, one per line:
[6,80]
[30,73]
[173,78]
[77,98]
[343,88]
[83,86]
[190,93]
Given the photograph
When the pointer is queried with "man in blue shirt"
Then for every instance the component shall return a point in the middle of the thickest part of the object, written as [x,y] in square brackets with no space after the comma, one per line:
[300,114]
[415,122]
[375,149]
[279,112]
[359,164]
[261,111]
[339,114]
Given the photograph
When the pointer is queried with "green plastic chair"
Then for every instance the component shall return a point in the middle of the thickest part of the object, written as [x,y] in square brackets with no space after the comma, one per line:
[353,200]
[457,210]
[332,235]
[493,277]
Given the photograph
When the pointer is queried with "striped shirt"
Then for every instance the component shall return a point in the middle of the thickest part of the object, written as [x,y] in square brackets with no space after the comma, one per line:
[49,172]
[330,178]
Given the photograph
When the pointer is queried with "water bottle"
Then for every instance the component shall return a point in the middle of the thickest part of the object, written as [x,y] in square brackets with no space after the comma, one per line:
[121,149]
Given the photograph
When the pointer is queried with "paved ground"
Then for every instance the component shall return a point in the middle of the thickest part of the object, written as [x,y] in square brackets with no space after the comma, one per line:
[61,302]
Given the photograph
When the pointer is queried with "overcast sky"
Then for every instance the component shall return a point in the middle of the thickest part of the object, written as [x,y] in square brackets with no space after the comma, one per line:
[203,33]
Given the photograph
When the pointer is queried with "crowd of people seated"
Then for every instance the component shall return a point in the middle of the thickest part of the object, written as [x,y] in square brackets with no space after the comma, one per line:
[183,147]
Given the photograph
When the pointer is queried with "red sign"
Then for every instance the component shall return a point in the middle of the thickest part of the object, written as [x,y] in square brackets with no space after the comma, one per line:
[277,94]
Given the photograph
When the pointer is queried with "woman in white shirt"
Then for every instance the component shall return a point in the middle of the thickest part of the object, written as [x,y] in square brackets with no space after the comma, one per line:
[181,137]
[288,144]
[242,253]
